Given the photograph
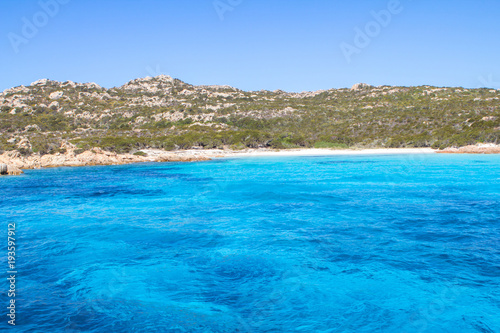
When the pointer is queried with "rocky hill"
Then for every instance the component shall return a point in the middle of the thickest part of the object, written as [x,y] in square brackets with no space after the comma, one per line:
[47,117]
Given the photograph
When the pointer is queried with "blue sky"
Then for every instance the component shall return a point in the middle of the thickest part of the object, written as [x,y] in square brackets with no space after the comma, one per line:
[252,44]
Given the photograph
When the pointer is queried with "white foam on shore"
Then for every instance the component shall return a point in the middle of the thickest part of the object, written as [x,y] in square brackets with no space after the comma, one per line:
[327,152]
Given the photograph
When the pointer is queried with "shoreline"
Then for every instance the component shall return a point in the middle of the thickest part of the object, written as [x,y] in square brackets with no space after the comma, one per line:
[334,152]
[96,156]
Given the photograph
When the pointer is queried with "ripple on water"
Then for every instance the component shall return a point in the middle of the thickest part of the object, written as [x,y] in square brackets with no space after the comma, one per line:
[309,244]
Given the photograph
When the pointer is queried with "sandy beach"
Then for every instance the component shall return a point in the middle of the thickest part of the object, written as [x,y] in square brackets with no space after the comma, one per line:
[16,162]
[328,152]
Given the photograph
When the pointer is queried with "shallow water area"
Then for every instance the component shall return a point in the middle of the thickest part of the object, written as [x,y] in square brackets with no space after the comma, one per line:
[387,243]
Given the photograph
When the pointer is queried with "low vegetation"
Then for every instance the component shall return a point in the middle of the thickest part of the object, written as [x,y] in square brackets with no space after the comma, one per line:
[169,114]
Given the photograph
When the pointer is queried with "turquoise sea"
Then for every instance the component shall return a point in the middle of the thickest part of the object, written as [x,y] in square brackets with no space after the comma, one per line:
[402,243]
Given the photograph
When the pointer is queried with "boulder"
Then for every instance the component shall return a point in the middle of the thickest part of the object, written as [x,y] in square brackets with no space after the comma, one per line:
[473,149]
[54,104]
[13,171]
[56,95]
[9,170]
[24,143]
[361,86]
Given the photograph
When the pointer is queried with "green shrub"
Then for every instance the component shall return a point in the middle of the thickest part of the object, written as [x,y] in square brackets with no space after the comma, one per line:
[334,145]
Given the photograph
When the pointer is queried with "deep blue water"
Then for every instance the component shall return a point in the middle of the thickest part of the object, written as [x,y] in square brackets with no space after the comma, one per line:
[289,244]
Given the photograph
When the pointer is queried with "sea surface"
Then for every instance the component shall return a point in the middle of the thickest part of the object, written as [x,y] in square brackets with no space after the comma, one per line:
[402,243]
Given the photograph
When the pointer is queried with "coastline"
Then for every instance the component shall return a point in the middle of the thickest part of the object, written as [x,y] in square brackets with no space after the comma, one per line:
[333,152]
[17,162]
[473,149]
[96,156]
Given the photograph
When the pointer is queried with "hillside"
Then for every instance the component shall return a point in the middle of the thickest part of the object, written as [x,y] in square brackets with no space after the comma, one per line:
[166,113]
